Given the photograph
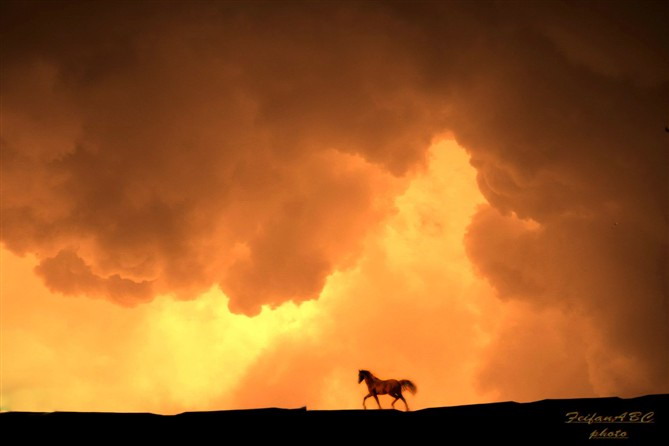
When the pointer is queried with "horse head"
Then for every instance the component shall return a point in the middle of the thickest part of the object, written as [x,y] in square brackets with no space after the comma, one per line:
[362,374]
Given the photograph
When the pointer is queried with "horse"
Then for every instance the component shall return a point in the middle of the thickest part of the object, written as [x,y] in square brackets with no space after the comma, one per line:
[390,387]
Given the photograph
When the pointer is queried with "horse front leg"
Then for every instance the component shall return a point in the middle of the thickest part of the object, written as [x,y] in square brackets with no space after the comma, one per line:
[377,400]
[363,401]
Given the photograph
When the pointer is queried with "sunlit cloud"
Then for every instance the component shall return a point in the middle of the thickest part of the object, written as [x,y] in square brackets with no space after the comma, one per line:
[224,205]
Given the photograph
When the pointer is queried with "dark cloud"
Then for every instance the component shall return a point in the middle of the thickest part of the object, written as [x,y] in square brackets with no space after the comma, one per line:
[254,146]
[216,146]
[67,273]
[573,158]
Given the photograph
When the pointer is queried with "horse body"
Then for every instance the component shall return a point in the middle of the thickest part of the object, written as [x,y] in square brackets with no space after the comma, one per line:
[390,387]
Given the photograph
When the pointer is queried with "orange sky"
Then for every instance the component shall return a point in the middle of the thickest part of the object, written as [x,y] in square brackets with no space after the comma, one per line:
[225,205]
[410,306]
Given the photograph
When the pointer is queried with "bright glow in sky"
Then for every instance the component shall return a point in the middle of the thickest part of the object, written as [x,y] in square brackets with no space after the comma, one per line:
[413,285]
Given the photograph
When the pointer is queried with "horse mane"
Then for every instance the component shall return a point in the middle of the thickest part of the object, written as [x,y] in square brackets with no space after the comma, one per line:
[366,373]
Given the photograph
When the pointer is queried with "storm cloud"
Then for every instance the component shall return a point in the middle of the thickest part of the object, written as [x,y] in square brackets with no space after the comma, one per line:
[256,147]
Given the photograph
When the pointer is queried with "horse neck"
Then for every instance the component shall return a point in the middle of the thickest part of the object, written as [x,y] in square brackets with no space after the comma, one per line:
[370,379]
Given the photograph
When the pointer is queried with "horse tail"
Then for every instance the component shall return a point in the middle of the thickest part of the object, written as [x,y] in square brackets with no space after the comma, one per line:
[406,384]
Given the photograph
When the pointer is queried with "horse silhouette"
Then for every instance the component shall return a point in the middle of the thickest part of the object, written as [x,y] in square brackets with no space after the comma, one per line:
[391,387]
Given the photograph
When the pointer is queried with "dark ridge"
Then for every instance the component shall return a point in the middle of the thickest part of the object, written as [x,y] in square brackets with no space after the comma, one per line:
[642,420]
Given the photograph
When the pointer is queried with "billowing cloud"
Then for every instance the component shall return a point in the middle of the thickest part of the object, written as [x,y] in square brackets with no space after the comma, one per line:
[411,307]
[198,149]
[260,148]
[573,159]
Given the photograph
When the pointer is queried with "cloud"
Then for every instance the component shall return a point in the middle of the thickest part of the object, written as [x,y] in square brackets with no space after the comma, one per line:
[192,150]
[259,148]
[411,307]
[552,347]
[571,159]
[67,273]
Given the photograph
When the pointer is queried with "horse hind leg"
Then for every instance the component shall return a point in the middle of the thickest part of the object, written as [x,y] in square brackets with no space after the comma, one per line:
[405,402]
[397,397]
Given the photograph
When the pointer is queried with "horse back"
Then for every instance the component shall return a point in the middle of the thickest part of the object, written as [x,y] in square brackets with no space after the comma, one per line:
[391,386]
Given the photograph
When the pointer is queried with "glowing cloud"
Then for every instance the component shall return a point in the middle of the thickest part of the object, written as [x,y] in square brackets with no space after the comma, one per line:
[281,160]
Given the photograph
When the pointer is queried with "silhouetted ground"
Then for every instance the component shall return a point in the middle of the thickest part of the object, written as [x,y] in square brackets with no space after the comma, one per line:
[642,420]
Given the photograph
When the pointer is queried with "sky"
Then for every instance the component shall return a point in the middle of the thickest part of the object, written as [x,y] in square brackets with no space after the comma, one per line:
[224,205]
